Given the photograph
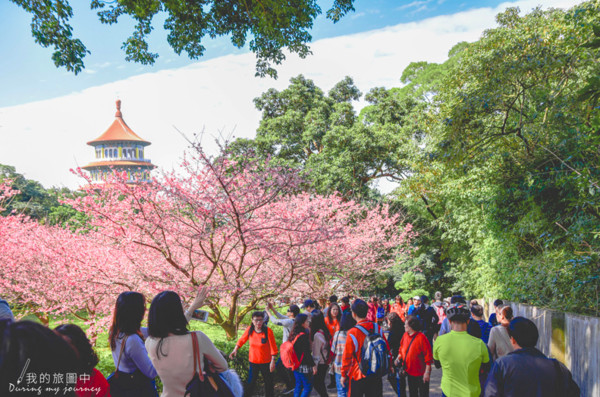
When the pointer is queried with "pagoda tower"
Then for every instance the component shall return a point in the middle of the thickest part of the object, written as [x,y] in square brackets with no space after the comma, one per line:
[119,149]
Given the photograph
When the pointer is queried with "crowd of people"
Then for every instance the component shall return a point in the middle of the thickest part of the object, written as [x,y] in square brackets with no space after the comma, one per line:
[345,348]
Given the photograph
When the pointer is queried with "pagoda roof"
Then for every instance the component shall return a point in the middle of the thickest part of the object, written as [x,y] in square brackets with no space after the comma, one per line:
[118,131]
[119,163]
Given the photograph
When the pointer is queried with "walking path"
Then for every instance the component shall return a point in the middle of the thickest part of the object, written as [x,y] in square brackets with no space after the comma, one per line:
[434,386]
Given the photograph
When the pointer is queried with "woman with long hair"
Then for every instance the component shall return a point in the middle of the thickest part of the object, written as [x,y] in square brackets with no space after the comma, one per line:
[337,347]
[396,327]
[415,357]
[332,320]
[334,315]
[93,379]
[499,341]
[320,337]
[399,308]
[126,339]
[300,337]
[170,343]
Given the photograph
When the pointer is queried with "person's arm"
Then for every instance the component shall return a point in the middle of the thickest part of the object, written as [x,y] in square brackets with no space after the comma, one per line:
[275,312]
[428,358]
[214,356]
[436,357]
[273,346]
[492,343]
[486,362]
[135,349]
[347,358]
[240,342]
[317,348]
[197,303]
[494,384]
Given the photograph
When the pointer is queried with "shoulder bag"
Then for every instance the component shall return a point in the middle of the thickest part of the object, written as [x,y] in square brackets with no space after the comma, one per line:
[136,384]
[205,385]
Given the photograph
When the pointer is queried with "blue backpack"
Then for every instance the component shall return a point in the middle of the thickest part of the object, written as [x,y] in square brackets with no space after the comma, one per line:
[374,355]
[380,312]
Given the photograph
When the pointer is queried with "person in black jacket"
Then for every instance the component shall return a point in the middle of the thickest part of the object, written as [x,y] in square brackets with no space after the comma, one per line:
[394,338]
[305,373]
[527,372]
[429,318]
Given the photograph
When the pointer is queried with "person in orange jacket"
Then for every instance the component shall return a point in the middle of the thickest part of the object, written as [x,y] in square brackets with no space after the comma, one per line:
[263,353]
[359,384]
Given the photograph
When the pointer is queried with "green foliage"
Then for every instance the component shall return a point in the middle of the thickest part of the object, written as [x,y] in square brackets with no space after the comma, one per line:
[270,24]
[39,203]
[495,152]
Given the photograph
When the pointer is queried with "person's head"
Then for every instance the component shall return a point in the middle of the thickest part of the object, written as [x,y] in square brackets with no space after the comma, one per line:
[410,302]
[438,296]
[258,322]
[498,303]
[424,299]
[374,299]
[166,315]
[417,301]
[394,320]
[399,300]
[293,311]
[458,313]
[523,332]
[347,322]
[81,344]
[317,323]
[359,309]
[412,324]
[333,298]
[334,312]
[309,305]
[301,323]
[346,301]
[127,315]
[477,312]
[505,314]
[29,344]
[457,299]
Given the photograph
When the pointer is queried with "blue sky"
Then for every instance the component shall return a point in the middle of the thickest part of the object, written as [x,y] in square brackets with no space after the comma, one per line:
[28,74]
[47,115]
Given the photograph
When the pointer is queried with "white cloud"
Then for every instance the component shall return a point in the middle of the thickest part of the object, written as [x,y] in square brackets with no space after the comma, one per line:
[44,139]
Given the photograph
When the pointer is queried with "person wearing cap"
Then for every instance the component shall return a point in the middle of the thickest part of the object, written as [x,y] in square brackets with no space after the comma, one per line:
[310,306]
[5,312]
[473,328]
[287,322]
[460,355]
[526,371]
[415,306]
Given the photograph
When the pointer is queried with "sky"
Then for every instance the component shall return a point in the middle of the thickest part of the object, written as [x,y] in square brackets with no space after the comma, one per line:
[47,114]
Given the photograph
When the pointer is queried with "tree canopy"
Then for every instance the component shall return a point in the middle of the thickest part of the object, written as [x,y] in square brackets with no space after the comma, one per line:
[495,152]
[269,26]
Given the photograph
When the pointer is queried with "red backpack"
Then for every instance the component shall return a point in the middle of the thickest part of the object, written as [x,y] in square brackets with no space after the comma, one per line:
[288,354]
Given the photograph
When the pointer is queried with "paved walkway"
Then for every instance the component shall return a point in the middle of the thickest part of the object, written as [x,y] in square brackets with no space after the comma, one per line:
[434,386]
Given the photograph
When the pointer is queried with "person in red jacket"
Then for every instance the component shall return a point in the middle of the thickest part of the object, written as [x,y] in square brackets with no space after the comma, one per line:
[359,385]
[263,353]
[372,313]
[415,356]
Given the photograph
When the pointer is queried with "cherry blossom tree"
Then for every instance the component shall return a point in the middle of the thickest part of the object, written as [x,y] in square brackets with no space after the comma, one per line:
[244,229]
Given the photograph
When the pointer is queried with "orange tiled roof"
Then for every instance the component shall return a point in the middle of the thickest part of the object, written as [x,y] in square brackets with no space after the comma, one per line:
[119,131]
[119,163]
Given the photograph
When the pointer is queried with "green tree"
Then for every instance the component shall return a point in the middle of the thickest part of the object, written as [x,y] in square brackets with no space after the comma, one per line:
[270,24]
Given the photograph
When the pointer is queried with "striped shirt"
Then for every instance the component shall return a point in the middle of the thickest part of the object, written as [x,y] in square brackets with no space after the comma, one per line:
[337,347]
